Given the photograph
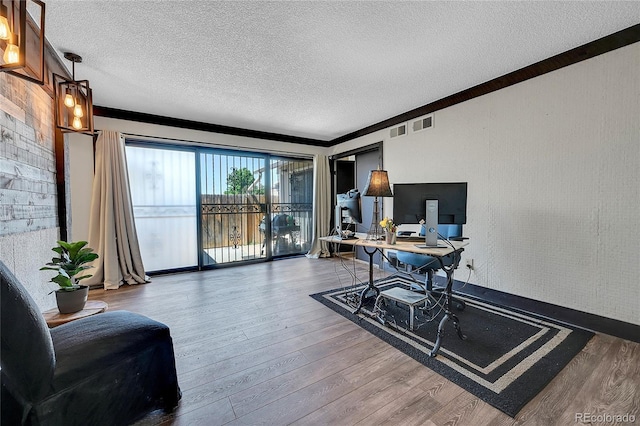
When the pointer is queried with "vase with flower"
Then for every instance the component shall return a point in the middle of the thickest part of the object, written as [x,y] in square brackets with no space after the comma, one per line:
[390,229]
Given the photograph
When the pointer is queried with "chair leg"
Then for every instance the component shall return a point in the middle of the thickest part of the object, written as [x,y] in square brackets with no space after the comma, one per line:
[429,280]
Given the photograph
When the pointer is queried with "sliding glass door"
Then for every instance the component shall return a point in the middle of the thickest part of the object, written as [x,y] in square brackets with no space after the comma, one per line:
[200,207]
[254,206]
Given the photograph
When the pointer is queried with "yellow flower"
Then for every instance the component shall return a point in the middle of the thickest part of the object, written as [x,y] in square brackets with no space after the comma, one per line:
[388,224]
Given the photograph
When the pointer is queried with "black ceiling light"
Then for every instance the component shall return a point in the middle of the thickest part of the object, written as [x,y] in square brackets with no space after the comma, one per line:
[74,103]
[22,39]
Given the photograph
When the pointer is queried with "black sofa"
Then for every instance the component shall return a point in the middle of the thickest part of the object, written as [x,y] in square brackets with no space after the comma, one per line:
[108,369]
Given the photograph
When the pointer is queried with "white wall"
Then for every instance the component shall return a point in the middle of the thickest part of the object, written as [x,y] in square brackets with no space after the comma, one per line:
[81,179]
[553,167]
[24,254]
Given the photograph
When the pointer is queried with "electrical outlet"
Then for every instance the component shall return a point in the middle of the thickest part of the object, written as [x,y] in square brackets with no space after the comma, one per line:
[470,264]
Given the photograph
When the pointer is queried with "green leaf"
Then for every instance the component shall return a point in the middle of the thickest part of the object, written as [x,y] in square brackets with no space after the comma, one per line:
[55,261]
[62,281]
[65,245]
[45,268]
[85,258]
[83,277]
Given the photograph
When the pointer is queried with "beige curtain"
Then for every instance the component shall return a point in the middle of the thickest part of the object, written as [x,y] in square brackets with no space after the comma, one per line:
[112,231]
[321,206]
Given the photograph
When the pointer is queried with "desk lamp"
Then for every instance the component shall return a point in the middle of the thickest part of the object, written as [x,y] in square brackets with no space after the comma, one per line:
[377,186]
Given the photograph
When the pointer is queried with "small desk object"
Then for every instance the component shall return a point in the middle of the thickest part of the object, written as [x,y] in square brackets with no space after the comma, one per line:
[54,318]
[409,297]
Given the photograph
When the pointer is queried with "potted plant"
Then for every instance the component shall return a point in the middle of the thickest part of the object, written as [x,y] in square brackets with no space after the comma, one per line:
[70,264]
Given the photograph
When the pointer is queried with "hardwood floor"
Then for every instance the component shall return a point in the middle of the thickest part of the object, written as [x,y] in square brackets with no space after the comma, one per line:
[253,348]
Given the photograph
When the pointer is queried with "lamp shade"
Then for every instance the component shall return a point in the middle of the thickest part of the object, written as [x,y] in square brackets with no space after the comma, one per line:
[378,184]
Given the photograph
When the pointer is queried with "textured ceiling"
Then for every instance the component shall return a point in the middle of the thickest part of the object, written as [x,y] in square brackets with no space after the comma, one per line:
[310,69]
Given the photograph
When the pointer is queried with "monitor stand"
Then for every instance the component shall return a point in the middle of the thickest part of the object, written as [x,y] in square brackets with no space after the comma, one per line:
[425,246]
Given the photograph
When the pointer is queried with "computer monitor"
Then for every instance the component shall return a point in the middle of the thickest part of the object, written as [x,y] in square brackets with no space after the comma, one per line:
[348,209]
[409,202]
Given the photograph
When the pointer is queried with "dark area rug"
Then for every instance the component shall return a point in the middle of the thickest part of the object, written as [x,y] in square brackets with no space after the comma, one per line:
[508,356]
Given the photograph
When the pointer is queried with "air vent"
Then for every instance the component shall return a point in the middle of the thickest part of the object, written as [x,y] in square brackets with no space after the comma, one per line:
[399,131]
[423,123]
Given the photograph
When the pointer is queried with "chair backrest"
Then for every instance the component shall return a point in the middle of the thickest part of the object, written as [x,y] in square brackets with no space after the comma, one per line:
[282,220]
[447,231]
[27,356]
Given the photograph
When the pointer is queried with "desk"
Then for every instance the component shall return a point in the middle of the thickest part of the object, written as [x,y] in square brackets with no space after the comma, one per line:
[54,318]
[371,247]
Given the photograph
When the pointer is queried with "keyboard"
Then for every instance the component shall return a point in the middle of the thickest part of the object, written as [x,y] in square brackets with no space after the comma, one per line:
[410,238]
[347,237]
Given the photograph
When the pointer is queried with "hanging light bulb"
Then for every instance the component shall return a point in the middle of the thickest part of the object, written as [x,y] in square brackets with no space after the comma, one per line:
[5,29]
[77,123]
[77,110]
[69,101]
[11,51]
[11,54]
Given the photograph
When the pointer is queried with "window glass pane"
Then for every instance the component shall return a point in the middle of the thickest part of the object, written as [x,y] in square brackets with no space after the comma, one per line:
[233,206]
[291,205]
[163,192]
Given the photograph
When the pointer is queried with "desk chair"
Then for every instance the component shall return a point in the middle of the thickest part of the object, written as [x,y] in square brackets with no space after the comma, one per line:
[429,265]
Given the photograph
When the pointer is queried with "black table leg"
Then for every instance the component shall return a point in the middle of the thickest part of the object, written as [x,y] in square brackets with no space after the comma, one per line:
[370,286]
[448,314]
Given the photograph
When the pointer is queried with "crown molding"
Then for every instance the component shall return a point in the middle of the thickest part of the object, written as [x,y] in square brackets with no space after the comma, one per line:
[206,127]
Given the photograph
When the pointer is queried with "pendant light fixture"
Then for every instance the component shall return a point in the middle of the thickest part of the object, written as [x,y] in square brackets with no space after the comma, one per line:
[22,39]
[74,103]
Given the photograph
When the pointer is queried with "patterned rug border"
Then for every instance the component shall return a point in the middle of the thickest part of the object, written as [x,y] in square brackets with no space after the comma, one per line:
[511,398]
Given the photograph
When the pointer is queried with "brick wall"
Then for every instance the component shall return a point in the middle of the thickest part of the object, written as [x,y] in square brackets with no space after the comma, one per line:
[27,161]
[28,194]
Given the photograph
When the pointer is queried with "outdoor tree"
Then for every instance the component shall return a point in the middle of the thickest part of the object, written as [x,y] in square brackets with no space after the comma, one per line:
[239,180]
